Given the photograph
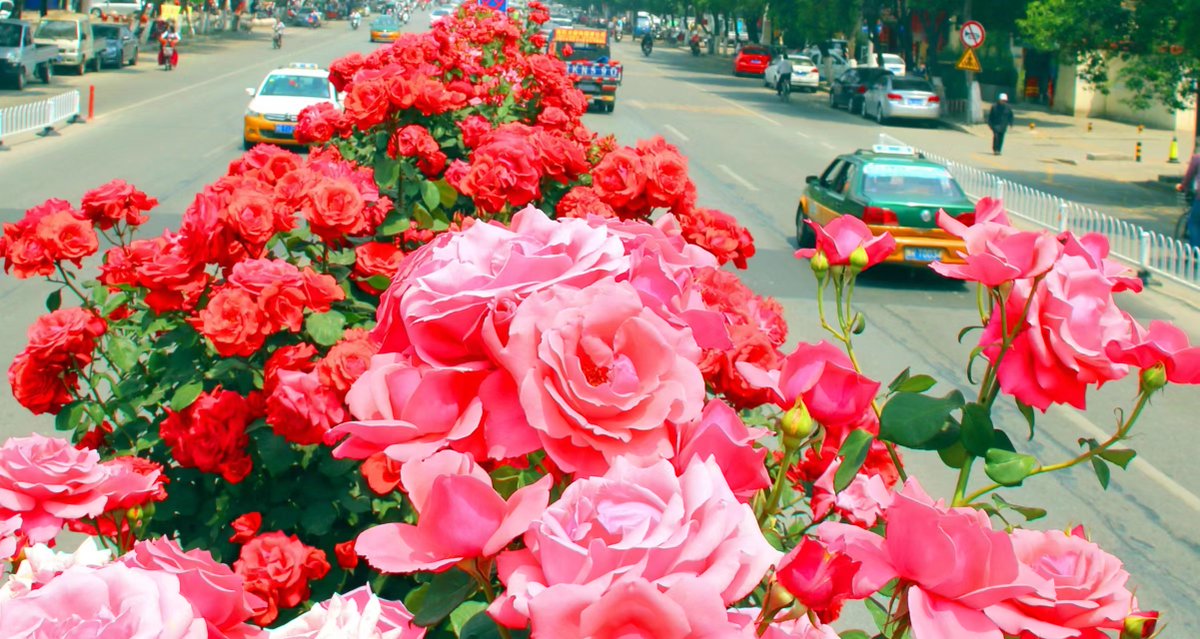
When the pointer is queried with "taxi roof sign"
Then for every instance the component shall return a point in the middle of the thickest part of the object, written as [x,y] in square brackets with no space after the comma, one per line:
[581,36]
[893,149]
[304,65]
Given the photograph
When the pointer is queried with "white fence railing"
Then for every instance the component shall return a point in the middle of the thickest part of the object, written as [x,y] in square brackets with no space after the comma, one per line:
[40,116]
[1152,253]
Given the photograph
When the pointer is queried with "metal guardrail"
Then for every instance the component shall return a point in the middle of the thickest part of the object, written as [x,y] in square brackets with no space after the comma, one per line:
[1150,252]
[40,116]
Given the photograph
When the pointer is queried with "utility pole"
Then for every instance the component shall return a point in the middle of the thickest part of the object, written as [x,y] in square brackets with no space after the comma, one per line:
[974,95]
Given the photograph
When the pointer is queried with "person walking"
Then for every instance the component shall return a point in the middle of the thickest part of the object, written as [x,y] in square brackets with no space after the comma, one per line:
[1188,187]
[1000,117]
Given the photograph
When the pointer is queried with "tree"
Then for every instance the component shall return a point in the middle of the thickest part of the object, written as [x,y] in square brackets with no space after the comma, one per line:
[1155,38]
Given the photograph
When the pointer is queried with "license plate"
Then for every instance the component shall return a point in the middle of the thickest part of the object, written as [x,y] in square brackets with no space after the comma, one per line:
[922,254]
[915,101]
[285,128]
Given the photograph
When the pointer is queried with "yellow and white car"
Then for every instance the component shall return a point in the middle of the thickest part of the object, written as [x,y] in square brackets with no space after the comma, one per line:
[275,108]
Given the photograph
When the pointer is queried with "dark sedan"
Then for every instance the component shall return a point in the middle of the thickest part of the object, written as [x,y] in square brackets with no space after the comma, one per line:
[119,45]
[849,88]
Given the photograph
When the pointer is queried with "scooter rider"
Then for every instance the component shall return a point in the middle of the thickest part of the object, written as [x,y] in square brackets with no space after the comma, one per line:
[785,72]
[169,39]
[648,43]
[355,18]
[278,32]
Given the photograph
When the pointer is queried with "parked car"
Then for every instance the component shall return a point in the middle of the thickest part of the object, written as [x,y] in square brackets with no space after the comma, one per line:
[106,8]
[839,63]
[804,72]
[752,59]
[893,63]
[385,29]
[849,88]
[894,190]
[116,43]
[275,107]
[21,57]
[908,98]
[72,33]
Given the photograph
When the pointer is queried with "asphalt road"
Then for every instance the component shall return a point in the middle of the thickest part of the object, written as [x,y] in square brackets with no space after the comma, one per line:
[171,133]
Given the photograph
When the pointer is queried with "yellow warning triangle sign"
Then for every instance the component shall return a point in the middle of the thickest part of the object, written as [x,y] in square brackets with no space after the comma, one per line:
[968,62]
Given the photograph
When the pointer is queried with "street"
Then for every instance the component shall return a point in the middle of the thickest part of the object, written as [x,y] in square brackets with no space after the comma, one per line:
[171,133]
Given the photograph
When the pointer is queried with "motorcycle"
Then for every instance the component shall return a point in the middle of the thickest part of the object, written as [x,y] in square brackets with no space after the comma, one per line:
[168,55]
[354,20]
[695,46]
[277,40]
[404,18]
[647,46]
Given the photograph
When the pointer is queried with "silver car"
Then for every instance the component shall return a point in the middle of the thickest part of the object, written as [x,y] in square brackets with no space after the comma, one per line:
[892,97]
[804,72]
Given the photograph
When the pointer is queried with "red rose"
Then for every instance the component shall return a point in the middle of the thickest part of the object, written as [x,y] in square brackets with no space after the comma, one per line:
[210,435]
[343,69]
[367,104]
[819,579]
[40,388]
[376,259]
[381,472]
[251,215]
[245,527]
[266,163]
[667,181]
[719,234]
[414,140]
[49,233]
[346,361]
[473,128]
[583,201]
[301,409]
[233,322]
[283,308]
[116,202]
[321,290]
[296,357]
[620,180]
[347,558]
[67,335]
[561,159]
[335,209]
[278,568]
[317,123]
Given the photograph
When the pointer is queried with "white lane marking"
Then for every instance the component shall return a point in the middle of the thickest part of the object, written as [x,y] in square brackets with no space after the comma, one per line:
[171,94]
[803,134]
[223,147]
[637,104]
[827,145]
[1185,496]
[736,105]
[679,134]
[737,178]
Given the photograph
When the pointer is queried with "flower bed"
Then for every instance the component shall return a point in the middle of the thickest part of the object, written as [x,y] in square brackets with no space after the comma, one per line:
[469,370]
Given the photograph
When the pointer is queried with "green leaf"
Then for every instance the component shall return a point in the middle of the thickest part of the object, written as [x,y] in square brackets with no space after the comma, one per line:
[185,395]
[895,383]
[122,352]
[446,592]
[394,224]
[917,384]
[954,455]
[318,517]
[114,301]
[464,613]
[1119,456]
[1008,468]
[965,331]
[422,216]
[449,195]
[325,328]
[1027,413]
[919,421]
[854,452]
[344,257]
[854,634]
[481,626]
[70,418]
[387,171]
[977,429]
[430,195]
[1102,472]
[54,301]
[278,456]
[878,613]
[379,282]
[1029,513]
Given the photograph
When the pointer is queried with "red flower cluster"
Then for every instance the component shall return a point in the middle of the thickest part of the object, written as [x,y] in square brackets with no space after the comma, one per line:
[306,398]
[720,234]
[260,298]
[510,163]
[116,202]
[210,435]
[45,375]
[375,259]
[756,328]
[415,140]
[50,233]
[278,568]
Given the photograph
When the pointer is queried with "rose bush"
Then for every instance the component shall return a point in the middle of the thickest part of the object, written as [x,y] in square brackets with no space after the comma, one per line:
[469,370]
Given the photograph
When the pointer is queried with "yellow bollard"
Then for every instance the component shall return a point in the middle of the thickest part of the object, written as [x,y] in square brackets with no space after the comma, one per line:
[1032,126]
[1089,127]
[1141,127]
[1137,152]
[1173,153]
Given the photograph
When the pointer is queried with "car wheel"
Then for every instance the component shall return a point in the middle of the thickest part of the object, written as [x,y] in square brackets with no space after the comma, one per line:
[82,68]
[805,238]
[247,144]
[19,80]
[47,73]
[879,114]
[97,64]
[133,60]
[832,101]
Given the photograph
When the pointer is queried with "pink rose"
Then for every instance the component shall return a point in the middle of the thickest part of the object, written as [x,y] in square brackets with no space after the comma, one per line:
[461,516]
[358,614]
[1060,350]
[637,523]
[48,481]
[958,567]
[688,609]
[132,481]
[861,503]
[1089,589]
[114,602]
[841,237]
[438,300]
[719,433]
[599,374]
[215,592]
[997,253]
[819,579]
[800,628]
[1165,344]
[301,409]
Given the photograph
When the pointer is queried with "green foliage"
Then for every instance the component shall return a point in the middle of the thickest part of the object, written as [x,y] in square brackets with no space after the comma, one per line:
[914,420]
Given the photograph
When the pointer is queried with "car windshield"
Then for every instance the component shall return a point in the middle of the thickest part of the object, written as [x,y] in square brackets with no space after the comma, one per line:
[10,35]
[907,183]
[58,29]
[106,31]
[296,86]
[905,84]
[385,24]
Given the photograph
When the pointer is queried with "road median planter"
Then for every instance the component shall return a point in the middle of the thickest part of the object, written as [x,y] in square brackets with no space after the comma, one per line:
[469,369]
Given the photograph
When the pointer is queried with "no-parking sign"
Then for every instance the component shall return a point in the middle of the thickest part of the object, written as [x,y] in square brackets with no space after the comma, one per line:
[972,34]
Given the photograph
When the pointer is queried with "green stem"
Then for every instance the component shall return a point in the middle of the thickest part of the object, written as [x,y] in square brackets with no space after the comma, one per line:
[1122,432]
[71,285]
[777,488]
[964,475]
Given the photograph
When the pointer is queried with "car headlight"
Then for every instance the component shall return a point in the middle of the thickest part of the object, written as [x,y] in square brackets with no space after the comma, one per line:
[251,113]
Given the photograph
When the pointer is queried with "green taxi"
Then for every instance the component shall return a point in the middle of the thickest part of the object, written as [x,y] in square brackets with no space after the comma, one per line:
[892,189]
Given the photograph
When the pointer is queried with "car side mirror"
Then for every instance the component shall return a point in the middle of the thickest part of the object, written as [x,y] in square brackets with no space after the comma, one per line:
[812,179]
[250,91]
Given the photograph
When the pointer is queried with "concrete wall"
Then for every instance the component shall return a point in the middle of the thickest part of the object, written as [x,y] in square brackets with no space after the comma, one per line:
[1076,97]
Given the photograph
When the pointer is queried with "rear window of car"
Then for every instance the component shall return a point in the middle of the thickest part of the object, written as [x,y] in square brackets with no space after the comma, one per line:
[754,51]
[106,31]
[924,184]
[58,29]
[904,84]
[801,60]
[296,86]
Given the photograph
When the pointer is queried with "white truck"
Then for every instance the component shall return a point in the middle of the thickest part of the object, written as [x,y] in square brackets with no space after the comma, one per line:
[21,57]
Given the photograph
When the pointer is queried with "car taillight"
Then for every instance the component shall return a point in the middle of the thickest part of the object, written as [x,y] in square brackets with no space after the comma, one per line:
[894,97]
[933,99]
[967,219]
[879,216]
[861,89]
